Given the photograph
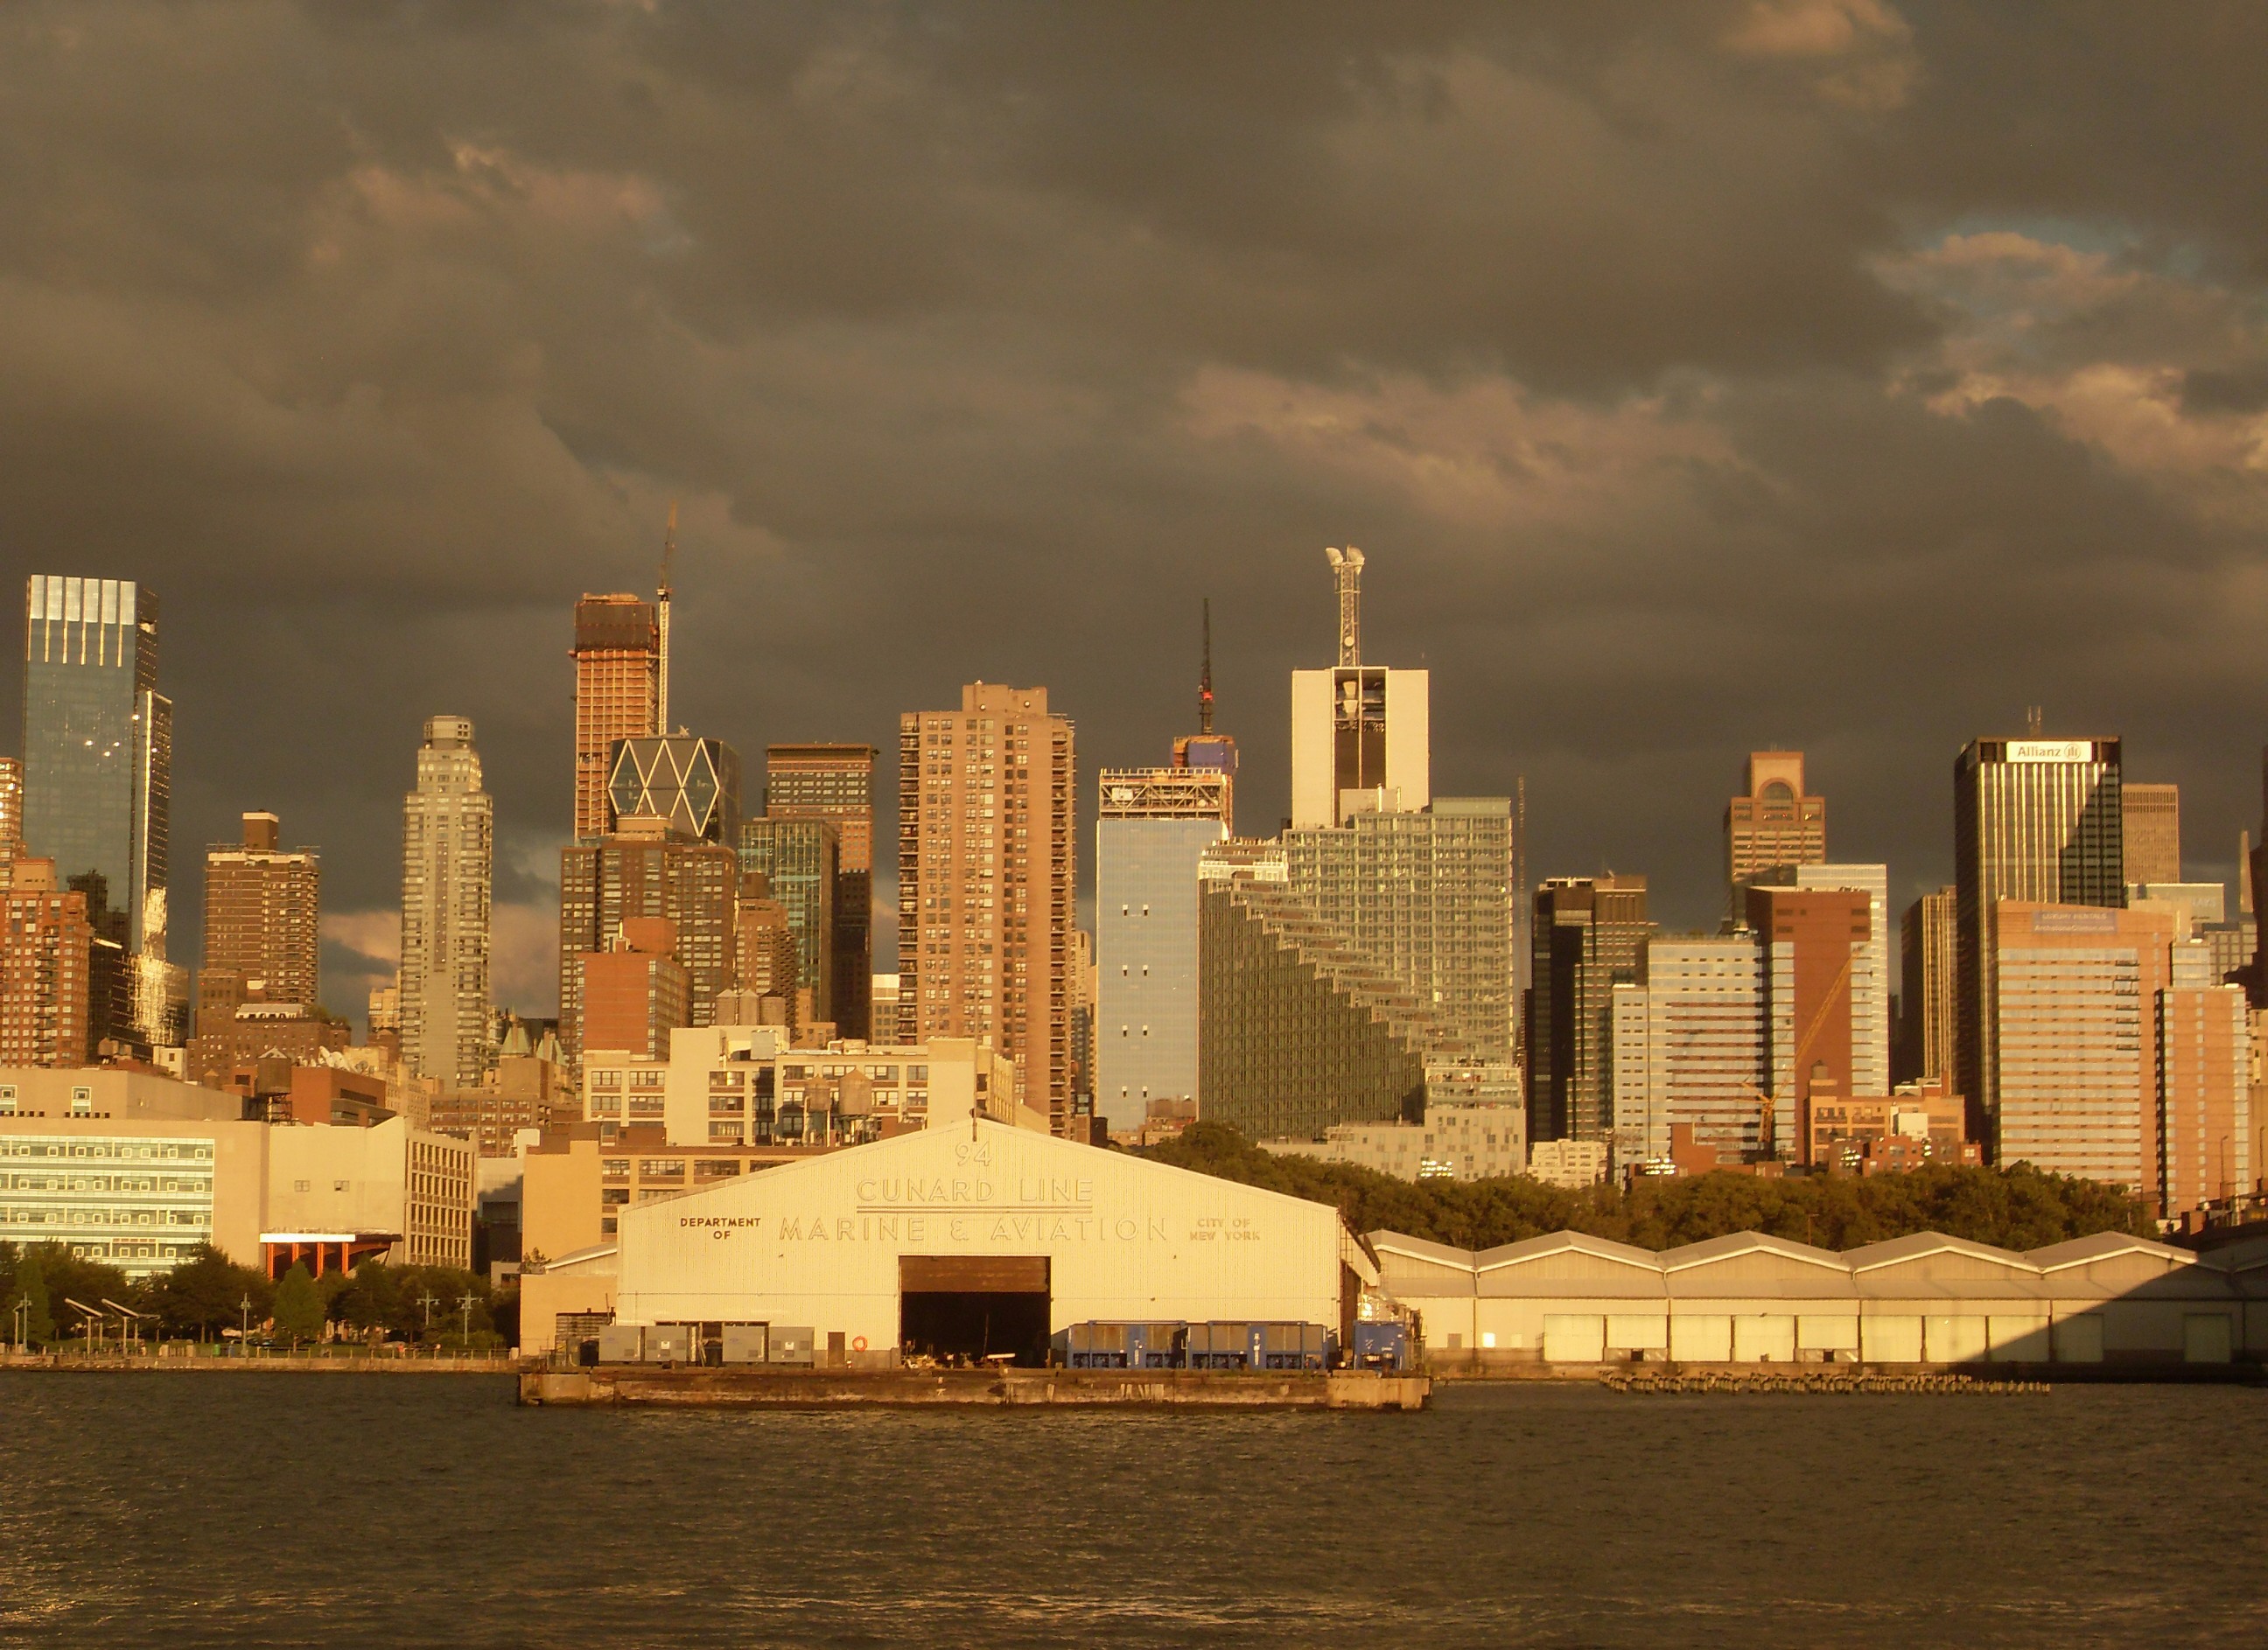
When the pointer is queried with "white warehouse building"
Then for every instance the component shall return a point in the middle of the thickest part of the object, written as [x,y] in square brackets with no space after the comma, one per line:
[1568,1299]
[961,1241]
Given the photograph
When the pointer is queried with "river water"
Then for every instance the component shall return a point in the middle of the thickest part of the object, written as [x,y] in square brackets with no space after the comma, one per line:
[398,1509]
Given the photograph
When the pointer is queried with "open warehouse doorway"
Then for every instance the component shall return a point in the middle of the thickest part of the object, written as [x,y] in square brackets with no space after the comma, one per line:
[973,1306]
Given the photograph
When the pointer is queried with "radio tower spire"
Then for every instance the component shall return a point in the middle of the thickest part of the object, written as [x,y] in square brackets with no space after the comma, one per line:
[661,606]
[1205,682]
[1346,567]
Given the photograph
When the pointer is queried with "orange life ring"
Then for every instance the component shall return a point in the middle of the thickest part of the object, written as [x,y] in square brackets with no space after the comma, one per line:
[858,1343]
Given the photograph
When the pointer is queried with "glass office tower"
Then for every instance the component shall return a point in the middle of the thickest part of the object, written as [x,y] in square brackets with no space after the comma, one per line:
[97,745]
[1153,827]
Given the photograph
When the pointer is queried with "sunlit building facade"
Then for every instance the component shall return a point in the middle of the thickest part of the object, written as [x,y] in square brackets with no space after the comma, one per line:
[448,849]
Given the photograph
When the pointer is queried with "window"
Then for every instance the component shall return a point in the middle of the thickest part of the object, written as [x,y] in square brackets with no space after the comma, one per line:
[299,1185]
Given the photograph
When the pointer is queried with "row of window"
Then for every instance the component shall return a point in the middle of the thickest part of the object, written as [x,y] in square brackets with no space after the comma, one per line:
[106,1149]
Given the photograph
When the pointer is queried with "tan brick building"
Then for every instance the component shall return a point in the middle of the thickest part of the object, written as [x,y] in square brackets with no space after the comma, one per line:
[45,952]
[987,875]
[2151,820]
[264,906]
[1774,825]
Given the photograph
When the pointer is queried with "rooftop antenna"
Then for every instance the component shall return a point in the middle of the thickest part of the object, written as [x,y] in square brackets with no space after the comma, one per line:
[668,567]
[1205,682]
[1346,565]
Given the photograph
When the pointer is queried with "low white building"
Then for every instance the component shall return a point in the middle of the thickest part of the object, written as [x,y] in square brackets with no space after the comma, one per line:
[1571,1165]
[728,1085]
[1454,1143]
[138,1170]
[1746,1298]
[961,1240]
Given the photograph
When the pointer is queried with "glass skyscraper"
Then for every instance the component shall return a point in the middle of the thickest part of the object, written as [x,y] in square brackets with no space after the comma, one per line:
[802,857]
[1153,827]
[98,745]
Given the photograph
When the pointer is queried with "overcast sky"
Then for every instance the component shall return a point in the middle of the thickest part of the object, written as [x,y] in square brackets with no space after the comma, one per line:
[1837,374]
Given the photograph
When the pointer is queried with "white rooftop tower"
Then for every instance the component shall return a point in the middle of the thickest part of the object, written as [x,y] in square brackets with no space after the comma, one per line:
[1359,733]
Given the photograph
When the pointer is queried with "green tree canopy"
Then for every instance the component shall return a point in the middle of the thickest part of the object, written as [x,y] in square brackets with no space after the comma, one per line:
[31,1287]
[69,1274]
[393,1298]
[298,1307]
[2019,1208]
[204,1293]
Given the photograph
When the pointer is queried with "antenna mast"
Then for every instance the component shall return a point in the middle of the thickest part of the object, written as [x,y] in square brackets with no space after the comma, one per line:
[661,673]
[1205,682]
[1346,566]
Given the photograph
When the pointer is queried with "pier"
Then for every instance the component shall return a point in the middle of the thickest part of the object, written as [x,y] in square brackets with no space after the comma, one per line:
[805,1388]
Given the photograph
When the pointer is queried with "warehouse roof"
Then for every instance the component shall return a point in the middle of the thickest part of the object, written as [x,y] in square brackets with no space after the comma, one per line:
[1920,1267]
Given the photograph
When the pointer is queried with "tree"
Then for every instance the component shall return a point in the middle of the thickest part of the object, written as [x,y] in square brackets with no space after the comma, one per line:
[298,1307]
[31,1287]
[74,1277]
[2016,1208]
[204,1291]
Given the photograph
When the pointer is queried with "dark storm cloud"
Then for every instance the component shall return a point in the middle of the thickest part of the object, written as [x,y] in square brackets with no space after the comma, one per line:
[1826,372]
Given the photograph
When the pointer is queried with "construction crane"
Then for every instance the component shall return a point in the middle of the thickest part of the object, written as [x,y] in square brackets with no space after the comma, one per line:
[661,613]
[1205,682]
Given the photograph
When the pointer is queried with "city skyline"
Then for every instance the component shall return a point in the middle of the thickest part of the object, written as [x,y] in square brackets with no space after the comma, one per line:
[532,988]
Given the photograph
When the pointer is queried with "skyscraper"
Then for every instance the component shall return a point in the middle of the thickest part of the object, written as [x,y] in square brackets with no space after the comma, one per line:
[262,912]
[1426,898]
[1152,829]
[1590,936]
[802,860]
[2077,1019]
[2036,819]
[836,782]
[1871,1031]
[617,682]
[45,1012]
[1824,1001]
[988,871]
[2150,817]
[1297,1031]
[647,873]
[692,783]
[448,847]
[1358,728]
[1735,1034]
[98,743]
[12,809]
[1925,1005]
[1774,826]
[765,943]
[1692,1045]
[2205,1114]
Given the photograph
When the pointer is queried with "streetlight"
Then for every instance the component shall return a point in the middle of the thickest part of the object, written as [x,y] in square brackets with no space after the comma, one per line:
[465,1325]
[244,1326]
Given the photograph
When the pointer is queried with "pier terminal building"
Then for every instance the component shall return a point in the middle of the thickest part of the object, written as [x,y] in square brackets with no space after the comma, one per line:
[1748,1298]
[972,1240]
